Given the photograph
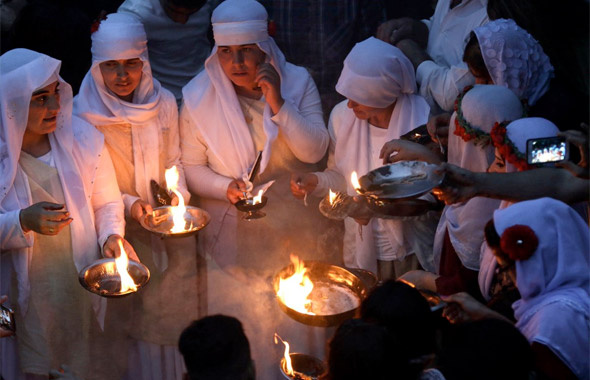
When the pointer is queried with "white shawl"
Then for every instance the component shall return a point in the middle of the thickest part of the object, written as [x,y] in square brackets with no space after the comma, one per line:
[554,308]
[212,101]
[375,74]
[482,107]
[22,72]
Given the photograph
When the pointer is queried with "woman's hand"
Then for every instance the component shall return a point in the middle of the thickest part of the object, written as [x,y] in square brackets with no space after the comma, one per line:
[235,190]
[580,140]
[463,308]
[269,81]
[302,184]
[139,209]
[403,150]
[438,128]
[44,218]
[112,248]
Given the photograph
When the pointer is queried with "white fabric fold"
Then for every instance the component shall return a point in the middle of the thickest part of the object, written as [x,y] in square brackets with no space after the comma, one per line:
[482,107]
[22,72]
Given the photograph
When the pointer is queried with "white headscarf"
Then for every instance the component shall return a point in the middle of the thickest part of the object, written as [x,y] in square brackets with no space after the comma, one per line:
[22,72]
[212,101]
[375,74]
[554,282]
[122,36]
[481,107]
[518,132]
[514,59]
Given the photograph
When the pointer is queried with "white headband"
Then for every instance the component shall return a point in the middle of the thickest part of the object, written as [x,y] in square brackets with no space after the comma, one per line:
[240,32]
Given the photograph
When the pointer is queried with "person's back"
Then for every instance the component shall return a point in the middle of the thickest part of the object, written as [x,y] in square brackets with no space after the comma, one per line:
[177,33]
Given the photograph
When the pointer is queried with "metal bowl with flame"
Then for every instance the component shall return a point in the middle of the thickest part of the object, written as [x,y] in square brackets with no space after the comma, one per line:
[336,295]
[161,221]
[305,367]
[251,208]
[102,278]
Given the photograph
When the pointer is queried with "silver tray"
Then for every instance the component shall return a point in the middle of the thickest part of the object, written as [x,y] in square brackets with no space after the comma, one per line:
[404,179]
[160,221]
[101,277]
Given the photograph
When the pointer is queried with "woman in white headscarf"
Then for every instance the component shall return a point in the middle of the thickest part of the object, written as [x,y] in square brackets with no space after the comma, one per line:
[380,85]
[59,205]
[510,141]
[511,58]
[139,119]
[459,234]
[250,99]
[543,246]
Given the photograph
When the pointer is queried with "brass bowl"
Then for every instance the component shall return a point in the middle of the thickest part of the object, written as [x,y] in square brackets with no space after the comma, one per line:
[101,277]
[305,367]
[252,210]
[324,274]
[160,221]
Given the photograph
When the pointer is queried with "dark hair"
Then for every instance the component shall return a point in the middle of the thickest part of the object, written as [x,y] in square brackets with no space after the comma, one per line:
[486,349]
[473,57]
[216,348]
[491,235]
[361,350]
[403,310]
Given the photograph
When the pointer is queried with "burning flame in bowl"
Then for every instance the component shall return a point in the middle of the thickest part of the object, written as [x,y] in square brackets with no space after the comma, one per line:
[172,177]
[258,199]
[332,197]
[288,367]
[122,262]
[355,181]
[294,291]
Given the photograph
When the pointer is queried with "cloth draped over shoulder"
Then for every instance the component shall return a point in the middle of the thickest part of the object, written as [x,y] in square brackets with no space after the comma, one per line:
[554,309]
[514,59]
[122,37]
[375,74]
[481,107]
[212,101]
[76,152]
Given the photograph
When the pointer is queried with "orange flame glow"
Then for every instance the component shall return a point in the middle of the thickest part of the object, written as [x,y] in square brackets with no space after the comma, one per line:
[288,365]
[332,197]
[172,177]
[121,263]
[355,181]
[294,290]
[258,199]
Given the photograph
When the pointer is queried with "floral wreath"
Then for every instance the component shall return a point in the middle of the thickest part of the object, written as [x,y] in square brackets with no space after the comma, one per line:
[519,242]
[463,129]
[507,148]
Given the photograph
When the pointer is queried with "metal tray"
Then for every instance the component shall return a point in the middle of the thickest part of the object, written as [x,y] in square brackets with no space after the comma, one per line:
[400,180]
[160,221]
[101,277]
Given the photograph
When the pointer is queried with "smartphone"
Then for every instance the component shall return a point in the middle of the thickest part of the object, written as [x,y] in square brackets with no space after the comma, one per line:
[7,318]
[547,150]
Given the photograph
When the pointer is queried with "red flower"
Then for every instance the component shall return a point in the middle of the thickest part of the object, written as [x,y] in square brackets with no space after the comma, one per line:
[519,242]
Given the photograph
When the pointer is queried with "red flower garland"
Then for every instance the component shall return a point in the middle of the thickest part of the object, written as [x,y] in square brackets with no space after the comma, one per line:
[507,149]
[519,242]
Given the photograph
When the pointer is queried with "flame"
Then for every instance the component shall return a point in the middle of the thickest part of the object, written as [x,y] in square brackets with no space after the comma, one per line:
[172,177]
[355,181]
[332,196]
[258,199]
[288,365]
[121,263]
[294,290]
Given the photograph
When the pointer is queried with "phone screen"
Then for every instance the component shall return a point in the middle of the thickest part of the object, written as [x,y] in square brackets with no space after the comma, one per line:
[551,149]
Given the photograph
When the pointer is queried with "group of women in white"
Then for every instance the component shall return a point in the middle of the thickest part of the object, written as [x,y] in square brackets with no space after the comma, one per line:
[76,180]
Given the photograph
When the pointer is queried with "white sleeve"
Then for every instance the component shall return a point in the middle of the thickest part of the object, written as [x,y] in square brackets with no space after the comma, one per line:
[11,232]
[330,178]
[442,85]
[304,128]
[106,200]
[200,178]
